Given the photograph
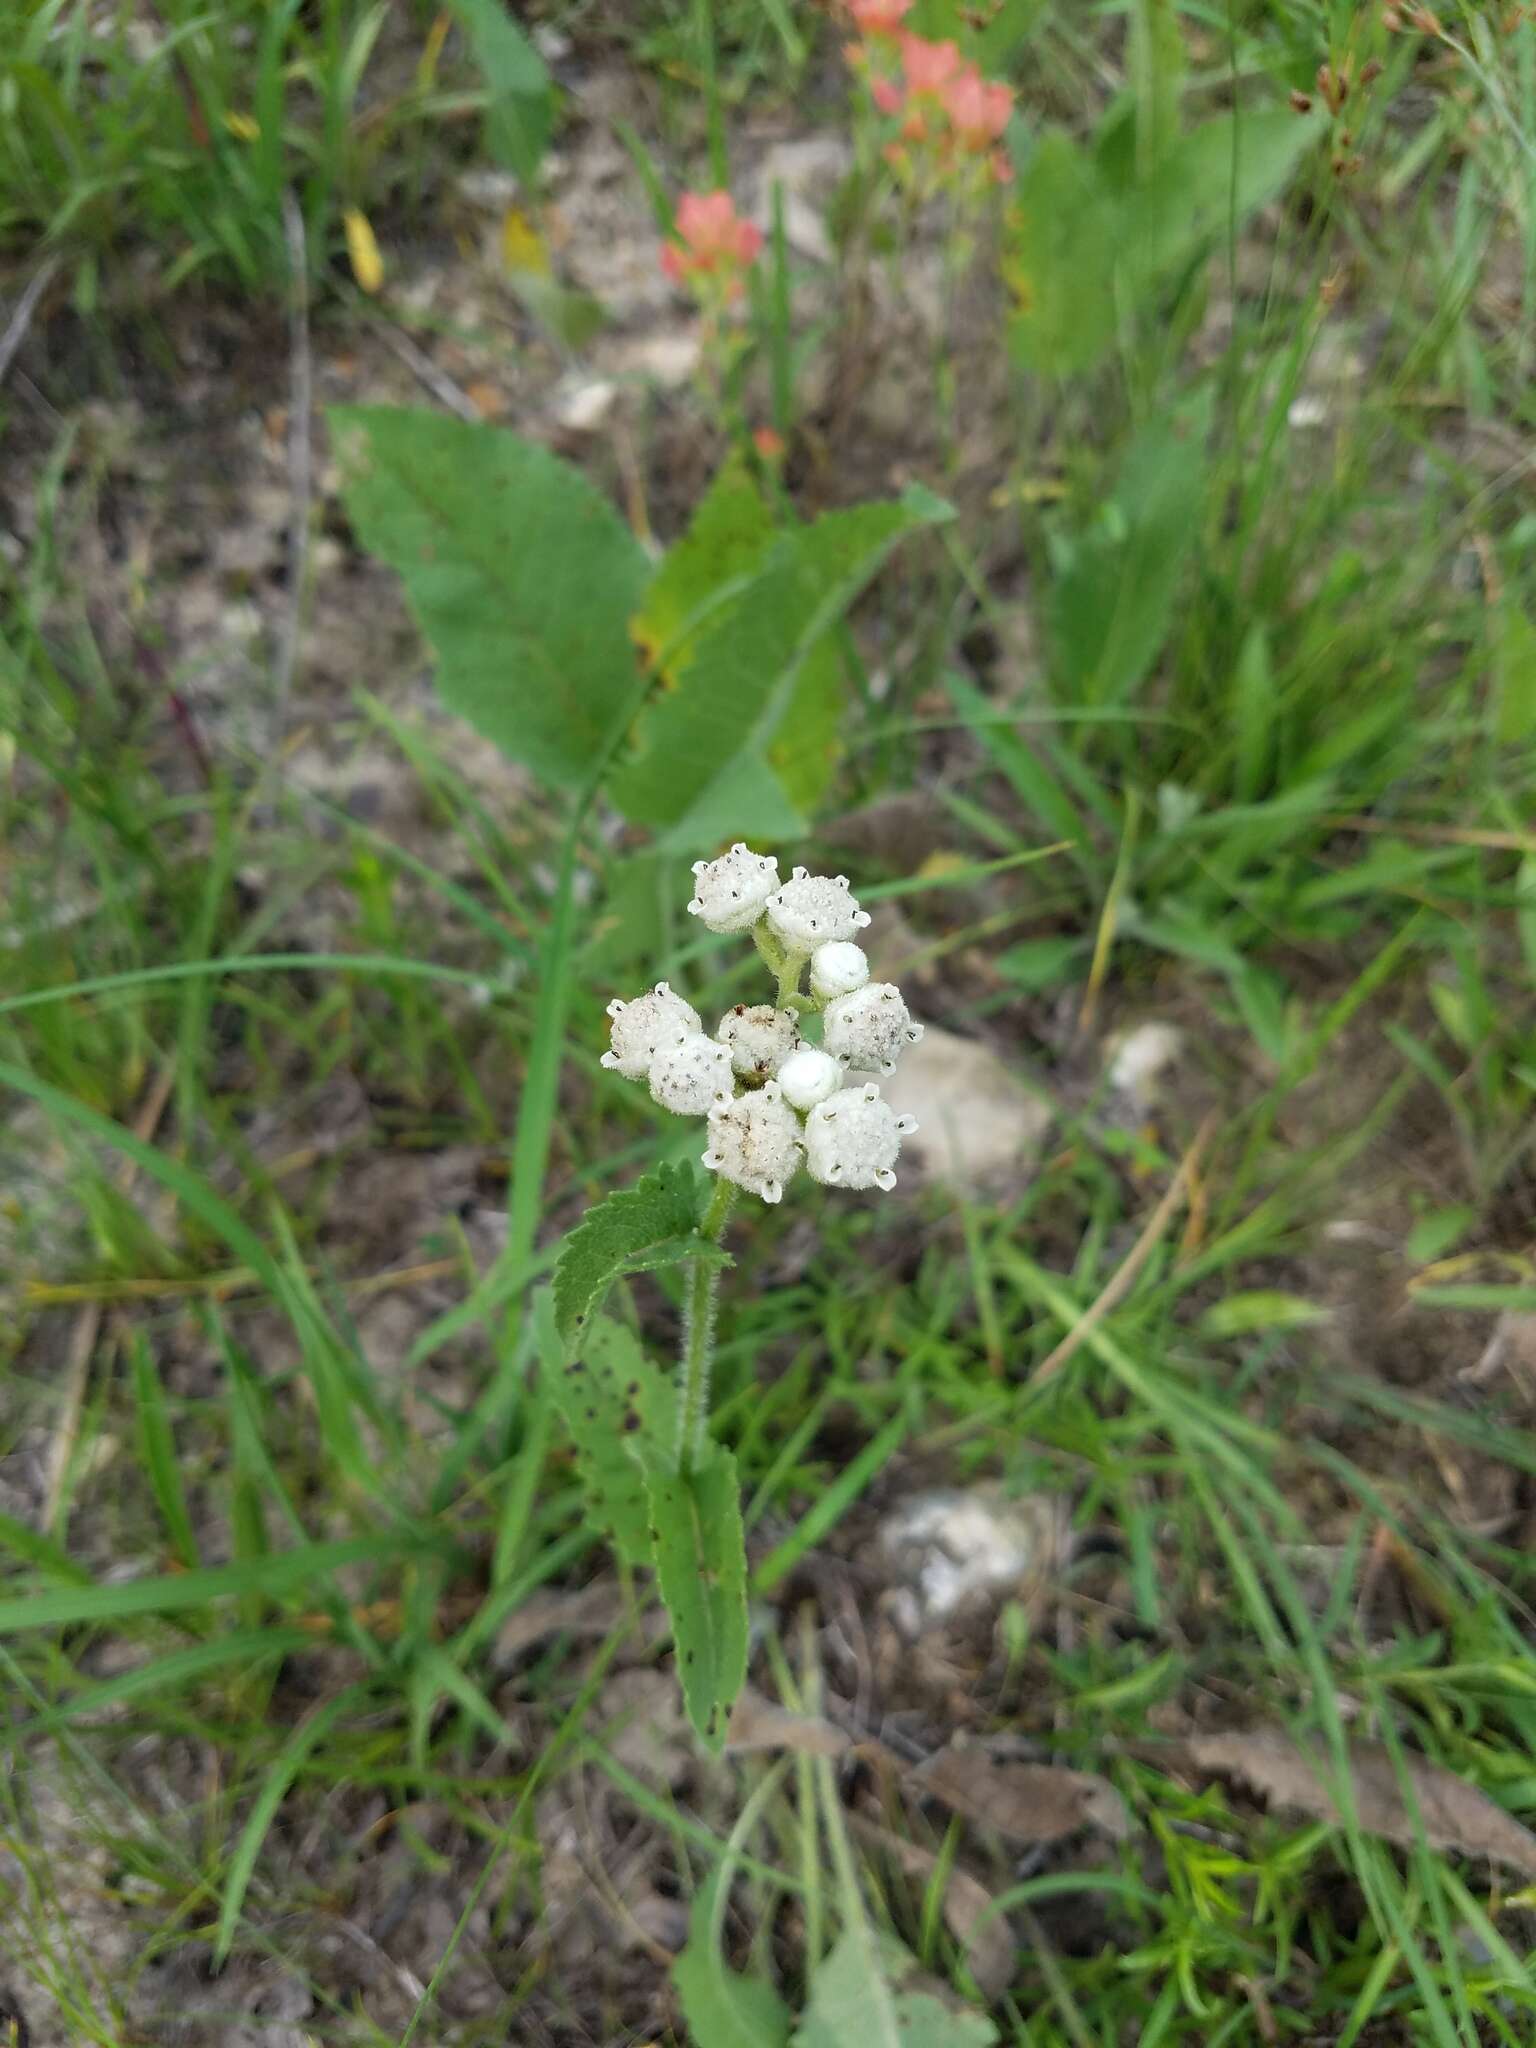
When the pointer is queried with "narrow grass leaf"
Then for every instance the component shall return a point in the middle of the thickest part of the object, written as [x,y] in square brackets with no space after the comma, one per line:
[289,1763]
[283,1571]
[157,1452]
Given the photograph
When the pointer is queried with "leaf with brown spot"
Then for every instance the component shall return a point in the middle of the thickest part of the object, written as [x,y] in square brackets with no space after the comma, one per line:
[1026,1802]
[1455,1815]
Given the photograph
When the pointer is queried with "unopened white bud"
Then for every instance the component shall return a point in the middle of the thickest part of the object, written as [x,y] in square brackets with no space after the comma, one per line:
[869,1027]
[809,1076]
[838,968]
[729,893]
[691,1076]
[760,1038]
[810,909]
[755,1141]
[852,1140]
[643,1027]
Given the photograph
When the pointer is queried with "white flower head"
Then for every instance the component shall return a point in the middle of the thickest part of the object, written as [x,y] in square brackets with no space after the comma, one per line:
[809,1076]
[691,1076]
[811,909]
[755,1141]
[838,968]
[643,1027]
[853,1138]
[869,1027]
[729,893]
[760,1037]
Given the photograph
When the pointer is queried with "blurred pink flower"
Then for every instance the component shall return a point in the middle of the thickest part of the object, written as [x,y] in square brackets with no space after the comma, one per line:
[886,94]
[978,108]
[928,66]
[713,241]
[879,17]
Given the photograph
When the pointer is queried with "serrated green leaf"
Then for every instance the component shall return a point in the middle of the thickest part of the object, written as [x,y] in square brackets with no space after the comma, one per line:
[724,2009]
[522,577]
[739,681]
[857,1994]
[701,1565]
[1111,605]
[1265,1309]
[653,1223]
[519,106]
[618,1408]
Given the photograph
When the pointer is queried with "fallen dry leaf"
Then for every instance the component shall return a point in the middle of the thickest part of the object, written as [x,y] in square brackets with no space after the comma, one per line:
[590,1611]
[984,1935]
[759,1723]
[1455,1815]
[1027,1802]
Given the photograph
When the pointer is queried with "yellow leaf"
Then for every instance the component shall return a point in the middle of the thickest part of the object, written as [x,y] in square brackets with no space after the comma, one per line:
[522,246]
[367,263]
[243,126]
[432,49]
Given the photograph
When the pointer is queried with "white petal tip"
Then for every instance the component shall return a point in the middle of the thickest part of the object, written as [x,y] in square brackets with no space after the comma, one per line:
[711,1160]
[609,1060]
[699,866]
[771,1191]
[906,1125]
[617,1007]
[695,908]
[885,1179]
[862,918]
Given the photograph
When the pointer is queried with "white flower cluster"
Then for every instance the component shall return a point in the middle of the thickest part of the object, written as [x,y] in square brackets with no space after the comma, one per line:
[772,1096]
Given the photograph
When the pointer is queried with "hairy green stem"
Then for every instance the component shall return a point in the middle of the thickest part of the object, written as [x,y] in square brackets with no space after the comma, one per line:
[699,1335]
[785,966]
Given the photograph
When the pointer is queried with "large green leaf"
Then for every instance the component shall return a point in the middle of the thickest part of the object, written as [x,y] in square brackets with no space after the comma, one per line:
[1112,600]
[519,105]
[702,1568]
[723,2009]
[654,1223]
[1156,52]
[729,538]
[522,575]
[618,1408]
[703,746]
[1059,262]
[1211,180]
[1092,236]
[858,1995]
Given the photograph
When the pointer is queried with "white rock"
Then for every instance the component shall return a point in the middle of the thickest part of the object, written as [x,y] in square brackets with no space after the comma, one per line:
[1137,1058]
[978,1124]
[584,407]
